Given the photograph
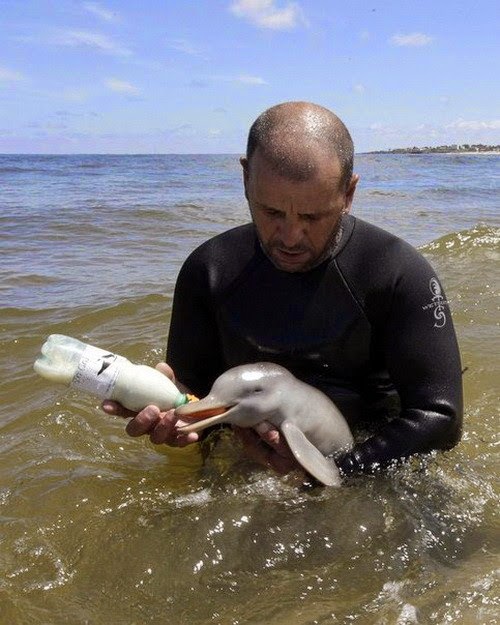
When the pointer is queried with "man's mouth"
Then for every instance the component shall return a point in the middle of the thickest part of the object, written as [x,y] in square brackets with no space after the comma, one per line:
[290,256]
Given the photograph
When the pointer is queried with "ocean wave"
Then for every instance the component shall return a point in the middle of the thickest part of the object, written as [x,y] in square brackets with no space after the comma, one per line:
[92,165]
[136,328]
[460,191]
[86,312]
[188,205]
[463,158]
[387,193]
[28,279]
[25,170]
[86,318]
[481,237]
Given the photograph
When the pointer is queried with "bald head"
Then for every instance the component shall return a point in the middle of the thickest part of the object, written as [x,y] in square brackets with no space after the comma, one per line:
[293,136]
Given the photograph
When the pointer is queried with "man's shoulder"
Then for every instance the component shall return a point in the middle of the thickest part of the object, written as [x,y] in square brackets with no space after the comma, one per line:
[369,240]
[375,234]
[376,263]
[227,243]
[244,234]
[222,256]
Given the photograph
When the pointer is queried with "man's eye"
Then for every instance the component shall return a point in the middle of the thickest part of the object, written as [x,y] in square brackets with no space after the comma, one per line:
[272,213]
[309,218]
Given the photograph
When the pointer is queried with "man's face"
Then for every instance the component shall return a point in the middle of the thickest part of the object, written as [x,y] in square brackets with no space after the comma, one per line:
[296,221]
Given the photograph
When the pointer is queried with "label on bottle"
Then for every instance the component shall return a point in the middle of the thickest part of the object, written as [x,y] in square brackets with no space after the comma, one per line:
[97,372]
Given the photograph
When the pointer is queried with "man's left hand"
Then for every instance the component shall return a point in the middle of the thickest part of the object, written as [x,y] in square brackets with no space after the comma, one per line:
[266,446]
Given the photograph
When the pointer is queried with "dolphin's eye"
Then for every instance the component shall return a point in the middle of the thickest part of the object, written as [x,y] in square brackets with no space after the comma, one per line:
[258,389]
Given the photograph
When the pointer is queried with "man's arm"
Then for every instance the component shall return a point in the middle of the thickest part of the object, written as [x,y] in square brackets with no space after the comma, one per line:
[193,349]
[420,348]
[414,339]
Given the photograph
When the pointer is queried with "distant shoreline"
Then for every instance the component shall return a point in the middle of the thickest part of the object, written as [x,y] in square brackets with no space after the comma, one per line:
[465,148]
[485,150]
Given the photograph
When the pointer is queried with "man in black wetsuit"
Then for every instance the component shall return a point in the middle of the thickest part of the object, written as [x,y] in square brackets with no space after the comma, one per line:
[342,304]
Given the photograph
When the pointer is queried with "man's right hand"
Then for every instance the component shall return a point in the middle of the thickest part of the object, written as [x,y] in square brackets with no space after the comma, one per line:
[160,426]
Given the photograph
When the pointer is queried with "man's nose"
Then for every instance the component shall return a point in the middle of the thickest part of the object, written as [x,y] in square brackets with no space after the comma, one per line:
[291,232]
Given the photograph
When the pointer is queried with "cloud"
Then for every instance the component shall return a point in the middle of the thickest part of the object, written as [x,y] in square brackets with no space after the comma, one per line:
[88,39]
[186,47]
[68,115]
[250,80]
[265,13]
[64,113]
[463,124]
[414,40]
[244,79]
[199,83]
[184,130]
[99,11]
[182,139]
[359,88]
[55,126]
[76,94]
[121,86]
[9,75]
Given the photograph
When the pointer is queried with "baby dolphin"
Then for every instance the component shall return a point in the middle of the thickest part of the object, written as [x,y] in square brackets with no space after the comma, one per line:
[248,394]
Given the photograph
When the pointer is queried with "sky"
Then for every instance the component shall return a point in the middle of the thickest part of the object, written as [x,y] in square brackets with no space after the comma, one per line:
[190,76]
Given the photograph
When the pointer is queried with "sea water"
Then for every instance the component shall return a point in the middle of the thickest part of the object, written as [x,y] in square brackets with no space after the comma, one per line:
[97,527]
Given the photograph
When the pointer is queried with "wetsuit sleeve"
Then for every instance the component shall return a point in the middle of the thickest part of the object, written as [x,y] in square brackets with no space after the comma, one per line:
[419,346]
[193,349]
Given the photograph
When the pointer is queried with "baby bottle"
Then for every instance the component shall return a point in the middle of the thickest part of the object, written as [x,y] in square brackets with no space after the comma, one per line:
[105,375]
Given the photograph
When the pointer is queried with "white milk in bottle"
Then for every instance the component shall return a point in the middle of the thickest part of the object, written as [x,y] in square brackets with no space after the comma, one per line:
[105,375]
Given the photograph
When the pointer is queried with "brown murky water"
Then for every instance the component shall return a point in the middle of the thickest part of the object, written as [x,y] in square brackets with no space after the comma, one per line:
[100,528]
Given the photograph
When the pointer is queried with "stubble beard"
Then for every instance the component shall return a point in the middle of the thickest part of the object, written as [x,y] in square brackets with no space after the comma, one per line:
[328,250]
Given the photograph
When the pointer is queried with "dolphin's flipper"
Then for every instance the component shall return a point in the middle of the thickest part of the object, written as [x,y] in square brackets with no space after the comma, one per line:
[323,469]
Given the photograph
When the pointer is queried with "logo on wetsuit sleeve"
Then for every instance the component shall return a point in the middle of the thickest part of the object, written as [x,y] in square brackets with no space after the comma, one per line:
[437,304]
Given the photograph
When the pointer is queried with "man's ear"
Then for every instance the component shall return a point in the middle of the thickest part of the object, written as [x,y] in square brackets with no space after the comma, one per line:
[349,194]
[244,164]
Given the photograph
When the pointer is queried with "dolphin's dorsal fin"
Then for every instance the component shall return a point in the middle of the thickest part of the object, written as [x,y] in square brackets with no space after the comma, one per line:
[323,469]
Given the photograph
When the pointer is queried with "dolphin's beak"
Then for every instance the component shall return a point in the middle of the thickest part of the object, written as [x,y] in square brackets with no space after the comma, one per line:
[201,414]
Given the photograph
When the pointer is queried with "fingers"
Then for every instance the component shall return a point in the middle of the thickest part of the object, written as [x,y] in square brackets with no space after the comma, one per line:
[144,421]
[114,408]
[273,438]
[166,369]
[161,427]
[264,445]
[161,431]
